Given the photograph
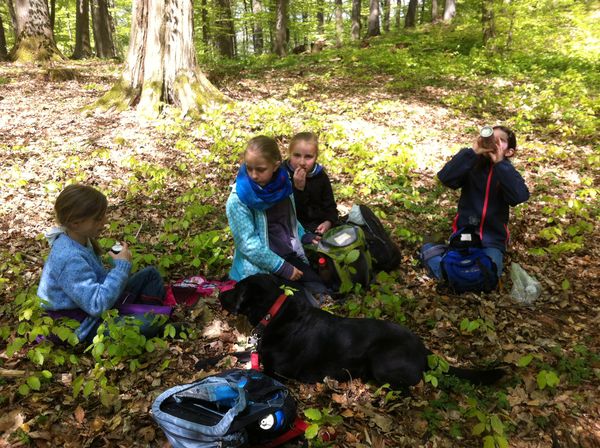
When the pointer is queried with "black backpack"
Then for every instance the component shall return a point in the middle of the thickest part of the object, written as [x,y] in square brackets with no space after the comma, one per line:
[235,408]
[384,252]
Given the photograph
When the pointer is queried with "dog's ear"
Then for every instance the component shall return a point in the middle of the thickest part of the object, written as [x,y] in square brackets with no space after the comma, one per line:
[231,300]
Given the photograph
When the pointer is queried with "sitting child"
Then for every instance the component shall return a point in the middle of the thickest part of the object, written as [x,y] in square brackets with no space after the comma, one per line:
[74,282]
[489,185]
[262,216]
[315,204]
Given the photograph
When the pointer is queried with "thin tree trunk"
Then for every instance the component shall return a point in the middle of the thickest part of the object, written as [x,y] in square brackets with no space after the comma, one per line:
[257,35]
[161,63]
[386,16]
[204,15]
[52,13]
[435,11]
[13,17]
[422,19]
[35,40]
[281,18]
[449,10]
[398,13]
[487,20]
[103,33]
[355,30]
[339,23]
[225,33]
[410,20]
[3,52]
[320,18]
[373,24]
[83,48]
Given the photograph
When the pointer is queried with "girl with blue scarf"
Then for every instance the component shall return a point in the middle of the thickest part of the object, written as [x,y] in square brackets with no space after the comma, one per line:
[262,216]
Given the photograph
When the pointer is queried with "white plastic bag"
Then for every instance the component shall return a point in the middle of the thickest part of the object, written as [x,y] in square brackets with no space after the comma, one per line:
[526,289]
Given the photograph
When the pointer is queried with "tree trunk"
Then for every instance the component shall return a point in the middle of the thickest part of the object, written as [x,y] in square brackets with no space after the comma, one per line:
[320,18]
[435,11]
[281,18]
[35,40]
[386,16]
[355,30]
[52,13]
[103,33]
[224,31]
[487,20]
[161,62]
[257,33]
[373,24]
[13,17]
[422,19]
[205,30]
[411,15]
[398,13]
[3,52]
[339,22]
[83,48]
[449,10]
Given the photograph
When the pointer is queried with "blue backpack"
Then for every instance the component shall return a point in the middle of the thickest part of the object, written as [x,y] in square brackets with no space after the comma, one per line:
[235,408]
[465,265]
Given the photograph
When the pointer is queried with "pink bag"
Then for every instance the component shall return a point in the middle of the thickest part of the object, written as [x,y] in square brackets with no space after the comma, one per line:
[189,290]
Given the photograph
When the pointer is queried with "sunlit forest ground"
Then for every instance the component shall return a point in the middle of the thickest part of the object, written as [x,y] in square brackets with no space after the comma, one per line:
[389,115]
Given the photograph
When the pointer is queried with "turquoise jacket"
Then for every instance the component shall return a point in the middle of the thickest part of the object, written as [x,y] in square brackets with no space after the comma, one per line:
[250,232]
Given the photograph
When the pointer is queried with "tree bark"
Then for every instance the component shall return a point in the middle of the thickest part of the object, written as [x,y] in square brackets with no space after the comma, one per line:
[161,62]
[257,33]
[3,52]
[83,47]
[224,29]
[487,20]
[435,11]
[103,30]
[386,16]
[373,24]
[355,30]
[281,18]
[13,17]
[339,22]
[53,13]
[320,18]
[410,20]
[35,40]
[205,29]
[449,10]
[398,13]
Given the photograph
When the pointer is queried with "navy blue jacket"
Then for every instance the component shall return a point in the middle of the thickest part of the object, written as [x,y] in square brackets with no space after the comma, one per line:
[487,191]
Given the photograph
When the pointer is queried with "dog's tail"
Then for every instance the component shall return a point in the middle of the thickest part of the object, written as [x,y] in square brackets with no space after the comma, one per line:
[211,362]
[476,376]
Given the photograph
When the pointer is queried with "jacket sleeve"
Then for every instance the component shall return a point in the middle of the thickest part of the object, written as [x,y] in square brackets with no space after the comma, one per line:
[454,173]
[328,201]
[246,238]
[80,283]
[513,186]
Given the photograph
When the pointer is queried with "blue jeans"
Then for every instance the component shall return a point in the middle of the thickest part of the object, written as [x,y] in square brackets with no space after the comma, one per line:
[434,263]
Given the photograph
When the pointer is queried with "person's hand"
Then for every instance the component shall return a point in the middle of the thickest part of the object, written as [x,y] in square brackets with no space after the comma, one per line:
[497,156]
[324,227]
[297,274]
[125,253]
[479,148]
[300,178]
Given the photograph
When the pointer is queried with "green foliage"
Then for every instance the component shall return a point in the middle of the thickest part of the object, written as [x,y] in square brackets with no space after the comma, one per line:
[318,418]
[437,368]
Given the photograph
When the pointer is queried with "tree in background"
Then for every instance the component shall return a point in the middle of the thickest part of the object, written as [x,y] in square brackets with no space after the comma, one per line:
[435,11]
[83,47]
[103,27]
[410,20]
[161,62]
[487,20]
[281,19]
[258,40]
[3,52]
[398,13]
[449,10]
[35,39]
[373,23]
[355,30]
[339,23]
[386,16]
[224,31]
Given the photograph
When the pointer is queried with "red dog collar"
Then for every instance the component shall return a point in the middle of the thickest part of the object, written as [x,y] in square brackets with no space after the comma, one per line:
[273,310]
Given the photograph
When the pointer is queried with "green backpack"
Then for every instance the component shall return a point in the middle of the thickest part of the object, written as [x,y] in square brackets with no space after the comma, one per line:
[341,258]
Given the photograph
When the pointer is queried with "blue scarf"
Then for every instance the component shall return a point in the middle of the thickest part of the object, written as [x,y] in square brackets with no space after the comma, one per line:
[262,198]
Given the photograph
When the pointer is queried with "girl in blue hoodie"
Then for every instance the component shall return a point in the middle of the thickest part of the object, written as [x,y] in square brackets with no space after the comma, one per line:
[74,281]
[262,216]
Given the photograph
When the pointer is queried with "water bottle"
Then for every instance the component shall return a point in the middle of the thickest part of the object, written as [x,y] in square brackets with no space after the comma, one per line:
[117,247]
[487,137]
[324,270]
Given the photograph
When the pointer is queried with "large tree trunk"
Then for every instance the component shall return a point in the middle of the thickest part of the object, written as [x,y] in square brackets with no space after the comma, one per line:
[83,48]
[3,52]
[35,41]
[487,20]
[224,31]
[257,32]
[161,63]
[435,11]
[373,24]
[339,22]
[386,16]
[411,15]
[449,10]
[103,30]
[355,30]
[281,18]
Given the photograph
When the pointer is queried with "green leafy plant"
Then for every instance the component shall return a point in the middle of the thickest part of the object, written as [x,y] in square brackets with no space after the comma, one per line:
[319,418]
[437,368]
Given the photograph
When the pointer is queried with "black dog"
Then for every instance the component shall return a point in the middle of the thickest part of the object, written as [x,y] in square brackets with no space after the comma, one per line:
[307,343]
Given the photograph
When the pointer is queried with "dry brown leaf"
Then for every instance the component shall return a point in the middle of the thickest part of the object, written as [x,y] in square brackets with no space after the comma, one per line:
[79,414]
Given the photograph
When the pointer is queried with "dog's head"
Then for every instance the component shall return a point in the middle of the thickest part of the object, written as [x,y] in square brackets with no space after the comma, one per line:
[252,296]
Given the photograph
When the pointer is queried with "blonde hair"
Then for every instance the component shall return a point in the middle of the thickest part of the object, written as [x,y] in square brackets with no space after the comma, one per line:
[266,146]
[308,137]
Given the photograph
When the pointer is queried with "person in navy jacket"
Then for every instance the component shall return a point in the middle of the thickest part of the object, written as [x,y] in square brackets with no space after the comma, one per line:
[489,186]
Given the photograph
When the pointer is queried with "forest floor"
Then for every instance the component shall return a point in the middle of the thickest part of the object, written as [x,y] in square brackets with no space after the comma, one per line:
[147,166]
